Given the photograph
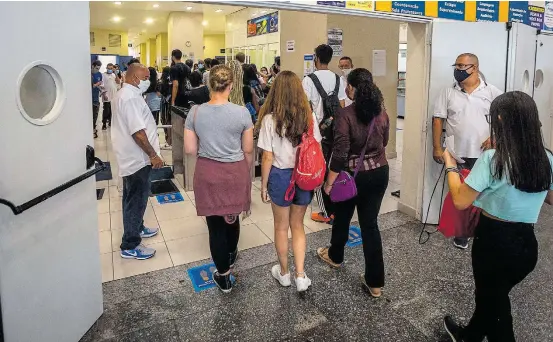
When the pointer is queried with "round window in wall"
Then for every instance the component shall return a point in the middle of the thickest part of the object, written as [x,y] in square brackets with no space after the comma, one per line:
[41,95]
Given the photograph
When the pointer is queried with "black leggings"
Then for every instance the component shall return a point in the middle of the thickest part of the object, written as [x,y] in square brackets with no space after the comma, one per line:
[371,187]
[503,255]
[223,241]
[106,114]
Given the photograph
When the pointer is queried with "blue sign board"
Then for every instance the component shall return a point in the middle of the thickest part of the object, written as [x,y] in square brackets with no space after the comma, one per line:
[332,3]
[170,198]
[408,7]
[451,10]
[202,277]
[487,10]
[535,16]
[518,11]
[354,238]
[548,16]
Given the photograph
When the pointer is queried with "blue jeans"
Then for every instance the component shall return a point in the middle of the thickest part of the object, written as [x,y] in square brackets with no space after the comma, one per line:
[136,189]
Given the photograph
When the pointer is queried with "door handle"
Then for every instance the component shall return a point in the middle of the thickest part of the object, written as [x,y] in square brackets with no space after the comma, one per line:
[18,209]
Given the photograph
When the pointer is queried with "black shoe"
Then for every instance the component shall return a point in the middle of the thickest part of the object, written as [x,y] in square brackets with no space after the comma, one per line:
[453,329]
[233,257]
[224,282]
[95,134]
[104,127]
[461,243]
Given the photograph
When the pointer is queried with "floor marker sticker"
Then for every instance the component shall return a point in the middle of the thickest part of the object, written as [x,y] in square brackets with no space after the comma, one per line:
[202,277]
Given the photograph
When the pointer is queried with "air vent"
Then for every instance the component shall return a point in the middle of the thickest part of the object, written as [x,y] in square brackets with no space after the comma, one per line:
[92,39]
[114,40]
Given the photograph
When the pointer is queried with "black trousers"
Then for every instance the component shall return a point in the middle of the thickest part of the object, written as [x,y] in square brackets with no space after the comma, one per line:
[95,110]
[503,255]
[136,189]
[155,113]
[371,187]
[223,241]
[106,113]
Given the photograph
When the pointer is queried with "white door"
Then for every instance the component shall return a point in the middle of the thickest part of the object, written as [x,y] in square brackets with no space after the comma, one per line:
[450,39]
[50,275]
[522,58]
[543,85]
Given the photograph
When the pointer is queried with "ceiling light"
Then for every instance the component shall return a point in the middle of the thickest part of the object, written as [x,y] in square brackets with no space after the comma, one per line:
[116,19]
[188,8]
[218,10]
[117,2]
[149,20]
[156,5]
[205,23]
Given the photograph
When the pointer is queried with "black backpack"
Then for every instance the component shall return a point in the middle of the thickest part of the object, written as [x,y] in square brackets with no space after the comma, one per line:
[331,104]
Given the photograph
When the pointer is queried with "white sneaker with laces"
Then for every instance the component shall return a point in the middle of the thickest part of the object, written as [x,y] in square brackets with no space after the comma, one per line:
[303,283]
[284,280]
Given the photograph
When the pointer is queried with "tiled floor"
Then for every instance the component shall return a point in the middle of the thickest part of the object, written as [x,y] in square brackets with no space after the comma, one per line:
[183,236]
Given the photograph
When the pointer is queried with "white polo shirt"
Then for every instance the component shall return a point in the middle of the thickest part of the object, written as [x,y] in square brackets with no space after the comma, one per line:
[130,115]
[465,116]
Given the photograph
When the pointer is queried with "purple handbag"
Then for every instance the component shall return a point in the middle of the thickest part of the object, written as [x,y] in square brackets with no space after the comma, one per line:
[344,187]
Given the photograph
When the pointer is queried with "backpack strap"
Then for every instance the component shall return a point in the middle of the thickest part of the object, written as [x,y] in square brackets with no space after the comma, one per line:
[318,86]
[337,86]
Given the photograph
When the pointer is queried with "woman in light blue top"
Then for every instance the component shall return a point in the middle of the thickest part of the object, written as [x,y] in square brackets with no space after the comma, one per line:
[153,95]
[509,183]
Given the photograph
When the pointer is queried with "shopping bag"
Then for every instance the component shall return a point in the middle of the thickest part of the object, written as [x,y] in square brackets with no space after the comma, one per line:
[458,223]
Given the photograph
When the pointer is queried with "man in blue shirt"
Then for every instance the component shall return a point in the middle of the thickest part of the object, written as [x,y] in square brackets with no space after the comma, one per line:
[96,84]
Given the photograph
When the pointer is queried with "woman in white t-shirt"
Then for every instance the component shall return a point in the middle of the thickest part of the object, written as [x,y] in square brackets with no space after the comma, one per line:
[284,117]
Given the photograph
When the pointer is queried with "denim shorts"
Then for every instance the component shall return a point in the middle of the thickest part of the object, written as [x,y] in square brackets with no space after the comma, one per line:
[279,180]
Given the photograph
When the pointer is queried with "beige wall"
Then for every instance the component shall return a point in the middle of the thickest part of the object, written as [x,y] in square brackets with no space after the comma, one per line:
[101,38]
[213,43]
[162,52]
[359,41]
[307,37]
[186,27]
[150,52]
[414,132]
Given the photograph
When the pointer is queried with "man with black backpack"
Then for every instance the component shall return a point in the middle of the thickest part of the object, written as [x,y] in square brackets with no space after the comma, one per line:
[326,92]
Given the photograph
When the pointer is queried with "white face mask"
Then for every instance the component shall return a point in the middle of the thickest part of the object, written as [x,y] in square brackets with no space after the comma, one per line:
[346,72]
[144,85]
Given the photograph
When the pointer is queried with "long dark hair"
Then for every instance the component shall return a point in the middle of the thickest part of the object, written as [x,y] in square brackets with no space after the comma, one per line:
[153,80]
[369,102]
[520,153]
[249,74]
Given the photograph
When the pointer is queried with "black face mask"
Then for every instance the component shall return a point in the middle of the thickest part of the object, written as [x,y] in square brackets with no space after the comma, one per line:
[461,75]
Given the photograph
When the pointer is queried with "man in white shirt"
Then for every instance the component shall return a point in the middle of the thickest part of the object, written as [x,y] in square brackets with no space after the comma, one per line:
[110,82]
[465,107]
[136,147]
[346,66]
[334,87]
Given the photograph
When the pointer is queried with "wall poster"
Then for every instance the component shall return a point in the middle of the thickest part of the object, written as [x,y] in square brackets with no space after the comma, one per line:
[267,23]
[335,40]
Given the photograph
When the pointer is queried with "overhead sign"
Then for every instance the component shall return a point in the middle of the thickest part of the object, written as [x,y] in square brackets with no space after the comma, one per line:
[487,10]
[332,3]
[518,11]
[267,23]
[451,10]
[535,16]
[360,5]
[548,16]
[408,7]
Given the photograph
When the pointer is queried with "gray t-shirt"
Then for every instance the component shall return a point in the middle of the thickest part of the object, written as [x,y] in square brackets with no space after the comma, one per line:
[219,129]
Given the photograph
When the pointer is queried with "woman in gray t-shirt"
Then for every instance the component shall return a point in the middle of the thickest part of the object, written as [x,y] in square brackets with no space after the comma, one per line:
[221,135]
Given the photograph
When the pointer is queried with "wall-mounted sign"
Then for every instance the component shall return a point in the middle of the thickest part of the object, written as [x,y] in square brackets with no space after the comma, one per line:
[308,66]
[335,40]
[290,45]
[487,10]
[451,10]
[408,7]
[129,45]
[518,11]
[222,51]
[262,25]
[535,16]
[332,3]
[548,16]
[361,5]
[104,49]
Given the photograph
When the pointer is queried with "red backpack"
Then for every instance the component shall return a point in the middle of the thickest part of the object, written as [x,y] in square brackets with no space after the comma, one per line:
[310,169]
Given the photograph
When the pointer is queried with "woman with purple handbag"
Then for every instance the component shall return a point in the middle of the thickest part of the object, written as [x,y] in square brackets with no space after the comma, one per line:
[359,175]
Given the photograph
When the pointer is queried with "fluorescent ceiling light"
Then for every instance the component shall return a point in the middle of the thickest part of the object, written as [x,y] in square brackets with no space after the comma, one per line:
[116,19]
[156,5]
[218,10]
[205,23]
[149,20]
[188,8]
[117,2]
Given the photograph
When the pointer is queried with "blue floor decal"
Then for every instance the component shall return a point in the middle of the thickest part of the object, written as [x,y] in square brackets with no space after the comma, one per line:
[202,277]
[354,238]
[170,198]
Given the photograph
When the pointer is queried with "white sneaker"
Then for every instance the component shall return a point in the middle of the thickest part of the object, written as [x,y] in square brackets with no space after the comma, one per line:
[302,284]
[284,280]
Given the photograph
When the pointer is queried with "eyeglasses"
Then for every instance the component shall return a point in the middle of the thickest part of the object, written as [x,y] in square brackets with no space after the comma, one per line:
[460,66]
[488,118]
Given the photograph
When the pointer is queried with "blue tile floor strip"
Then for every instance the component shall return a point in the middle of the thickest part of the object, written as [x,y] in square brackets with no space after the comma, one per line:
[170,198]
[202,277]
[354,238]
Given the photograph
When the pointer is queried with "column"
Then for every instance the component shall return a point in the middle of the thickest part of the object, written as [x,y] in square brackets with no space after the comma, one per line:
[150,52]
[162,52]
